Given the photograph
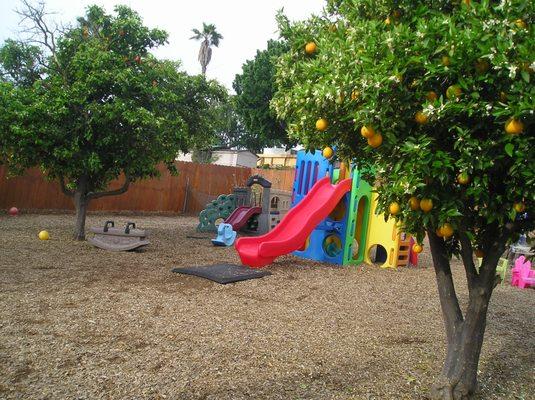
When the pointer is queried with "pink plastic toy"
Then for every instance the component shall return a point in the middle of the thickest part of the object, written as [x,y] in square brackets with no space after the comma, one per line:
[522,274]
[13,211]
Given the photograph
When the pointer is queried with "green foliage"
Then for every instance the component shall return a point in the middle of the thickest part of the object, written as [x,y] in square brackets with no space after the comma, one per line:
[255,88]
[209,33]
[230,131]
[390,55]
[210,37]
[19,63]
[106,105]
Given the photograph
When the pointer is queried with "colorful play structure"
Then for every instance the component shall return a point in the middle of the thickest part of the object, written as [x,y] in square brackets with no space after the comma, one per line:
[254,212]
[332,219]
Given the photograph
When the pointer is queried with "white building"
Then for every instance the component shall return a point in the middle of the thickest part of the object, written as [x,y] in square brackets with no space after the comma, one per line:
[230,157]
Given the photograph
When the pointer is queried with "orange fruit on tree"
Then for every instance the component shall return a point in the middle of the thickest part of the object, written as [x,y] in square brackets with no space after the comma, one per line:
[520,23]
[426,205]
[421,118]
[479,253]
[394,208]
[355,94]
[328,152]
[514,126]
[519,207]
[453,92]
[322,124]
[417,248]
[310,48]
[482,66]
[446,230]
[439,232]
[431,96]
[376,140]
[526,66]
[367,131]
[445,61]
[463,178]
[414,203]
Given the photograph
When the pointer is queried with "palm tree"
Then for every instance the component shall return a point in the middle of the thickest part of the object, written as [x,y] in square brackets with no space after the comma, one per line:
[210,37]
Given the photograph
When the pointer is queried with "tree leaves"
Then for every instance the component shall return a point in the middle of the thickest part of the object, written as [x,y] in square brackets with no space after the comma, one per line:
[393,66]
[111,108]
[255,88]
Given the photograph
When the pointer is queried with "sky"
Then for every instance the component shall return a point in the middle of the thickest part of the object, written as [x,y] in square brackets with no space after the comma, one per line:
[246,26]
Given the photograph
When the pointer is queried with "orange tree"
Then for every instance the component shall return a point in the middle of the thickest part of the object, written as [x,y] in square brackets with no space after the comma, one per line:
[437,98]
[101,106]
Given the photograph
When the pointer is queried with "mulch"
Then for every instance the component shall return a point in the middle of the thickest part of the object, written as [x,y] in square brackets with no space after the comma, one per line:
[80,322]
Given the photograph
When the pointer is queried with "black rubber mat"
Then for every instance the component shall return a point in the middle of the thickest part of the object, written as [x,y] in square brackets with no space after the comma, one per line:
[223,273]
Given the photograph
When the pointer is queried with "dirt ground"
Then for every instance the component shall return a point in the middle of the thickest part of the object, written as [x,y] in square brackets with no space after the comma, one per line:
[77,322]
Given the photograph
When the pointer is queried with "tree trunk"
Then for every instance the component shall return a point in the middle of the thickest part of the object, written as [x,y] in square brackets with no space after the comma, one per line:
[458,379]
[81,201]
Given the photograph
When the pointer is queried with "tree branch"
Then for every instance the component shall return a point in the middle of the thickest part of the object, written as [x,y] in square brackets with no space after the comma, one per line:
[64,189]
[36,14]
[468,261]
[449,302]
[121,190]
[497,240]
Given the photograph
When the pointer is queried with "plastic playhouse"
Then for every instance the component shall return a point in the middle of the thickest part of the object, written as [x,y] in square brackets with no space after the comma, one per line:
[332,219]
[245,209]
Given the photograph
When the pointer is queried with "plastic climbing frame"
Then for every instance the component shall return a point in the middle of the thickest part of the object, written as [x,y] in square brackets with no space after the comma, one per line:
[220,208]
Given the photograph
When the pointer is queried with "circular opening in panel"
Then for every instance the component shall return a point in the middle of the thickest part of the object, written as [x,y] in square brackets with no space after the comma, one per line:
[332,245]
[377,253]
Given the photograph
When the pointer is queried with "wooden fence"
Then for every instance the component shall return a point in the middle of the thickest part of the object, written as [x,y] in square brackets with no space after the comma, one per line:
[189,192]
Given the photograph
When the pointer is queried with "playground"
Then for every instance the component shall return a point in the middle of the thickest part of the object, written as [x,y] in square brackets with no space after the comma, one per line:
[78,322]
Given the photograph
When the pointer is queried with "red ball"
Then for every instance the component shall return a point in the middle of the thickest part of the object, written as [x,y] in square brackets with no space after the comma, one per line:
[13,211]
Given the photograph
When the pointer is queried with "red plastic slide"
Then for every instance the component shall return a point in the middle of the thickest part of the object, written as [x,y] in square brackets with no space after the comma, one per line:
[292,232]
[241,215]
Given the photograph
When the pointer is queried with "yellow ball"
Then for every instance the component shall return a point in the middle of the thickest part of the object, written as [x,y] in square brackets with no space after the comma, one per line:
[43,235]
[328,152]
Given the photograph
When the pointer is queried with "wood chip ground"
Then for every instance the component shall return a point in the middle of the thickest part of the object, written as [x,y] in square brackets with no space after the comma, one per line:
[78,322]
